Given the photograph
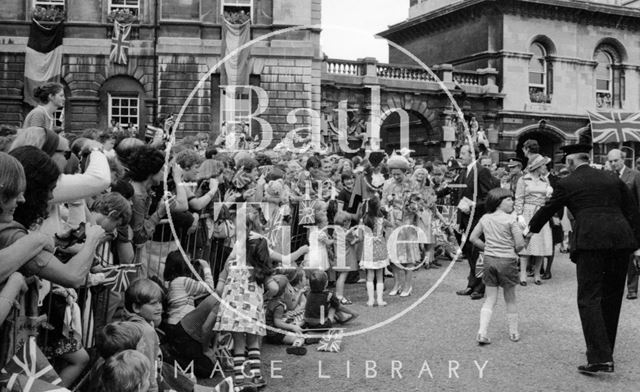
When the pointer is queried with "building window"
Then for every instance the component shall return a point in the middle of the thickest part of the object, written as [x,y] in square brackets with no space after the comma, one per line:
[49,4]
[604,80]
[235,110]
[538,77]
[124,6]
[237,11]
[124,111]
[48,10]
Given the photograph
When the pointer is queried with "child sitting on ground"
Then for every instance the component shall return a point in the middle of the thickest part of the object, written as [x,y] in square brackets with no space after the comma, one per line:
[323,307]
[282,297]
[300,284]
[183,289]
[126,371]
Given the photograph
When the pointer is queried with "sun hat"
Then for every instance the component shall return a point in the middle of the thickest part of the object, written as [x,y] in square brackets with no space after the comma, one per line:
[398,162]
[536,162]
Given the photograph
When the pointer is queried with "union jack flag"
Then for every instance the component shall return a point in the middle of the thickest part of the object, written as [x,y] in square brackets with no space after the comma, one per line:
[223,350]
[450,213]
[615,127]
[331,341]
[225,385]
[118,276]
[120,43]
[30,371]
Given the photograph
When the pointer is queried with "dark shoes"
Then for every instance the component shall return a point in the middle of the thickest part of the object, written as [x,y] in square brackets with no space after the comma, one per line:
[546,276]
[245,386]
[477,295]
[258,382]
[593,368]
[632,296]
[466,291]
[523,283]
[296,350]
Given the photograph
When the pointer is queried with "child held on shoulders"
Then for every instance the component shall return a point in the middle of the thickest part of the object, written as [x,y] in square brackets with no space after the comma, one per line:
[502,241]
[323,308]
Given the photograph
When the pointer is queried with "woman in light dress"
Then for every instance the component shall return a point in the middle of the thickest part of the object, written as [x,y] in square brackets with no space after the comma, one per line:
[532,191]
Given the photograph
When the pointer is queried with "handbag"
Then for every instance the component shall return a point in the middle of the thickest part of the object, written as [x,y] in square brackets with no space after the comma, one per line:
[223,227]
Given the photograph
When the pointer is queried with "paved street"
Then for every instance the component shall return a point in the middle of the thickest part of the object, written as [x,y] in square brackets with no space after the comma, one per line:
[443,328]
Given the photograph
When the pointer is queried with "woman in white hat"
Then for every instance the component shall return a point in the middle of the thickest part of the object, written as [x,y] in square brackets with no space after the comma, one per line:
[395,195]
[532,191]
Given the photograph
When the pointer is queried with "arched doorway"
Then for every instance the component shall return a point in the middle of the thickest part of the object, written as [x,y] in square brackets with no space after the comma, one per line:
[548,140]
[422,138]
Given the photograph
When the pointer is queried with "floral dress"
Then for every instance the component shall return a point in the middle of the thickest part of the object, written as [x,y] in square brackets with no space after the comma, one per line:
[531,194]
[242,308]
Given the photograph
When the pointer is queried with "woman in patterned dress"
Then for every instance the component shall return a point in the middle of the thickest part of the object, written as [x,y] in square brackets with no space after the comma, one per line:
[532,191]
[395,195]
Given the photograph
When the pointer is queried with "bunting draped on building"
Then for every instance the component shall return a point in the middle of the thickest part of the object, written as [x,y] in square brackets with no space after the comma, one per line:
[614,127]
[120,43]
[43,58]
[235,71]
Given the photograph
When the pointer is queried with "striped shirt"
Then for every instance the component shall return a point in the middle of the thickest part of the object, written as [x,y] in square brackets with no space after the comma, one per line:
[182,292]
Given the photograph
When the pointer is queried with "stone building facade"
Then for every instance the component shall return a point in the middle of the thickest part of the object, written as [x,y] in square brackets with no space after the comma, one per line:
[173,47]
[556,60]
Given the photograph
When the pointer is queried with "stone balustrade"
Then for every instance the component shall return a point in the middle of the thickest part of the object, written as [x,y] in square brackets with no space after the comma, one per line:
[344,67]
[403,72]
[369,71]
[471,78]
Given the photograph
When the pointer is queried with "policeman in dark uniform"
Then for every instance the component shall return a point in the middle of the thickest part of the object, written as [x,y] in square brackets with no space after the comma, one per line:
[606,231]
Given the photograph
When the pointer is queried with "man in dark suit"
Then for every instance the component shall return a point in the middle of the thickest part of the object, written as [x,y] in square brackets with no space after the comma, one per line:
[471,215]
[606,231]
[632,179]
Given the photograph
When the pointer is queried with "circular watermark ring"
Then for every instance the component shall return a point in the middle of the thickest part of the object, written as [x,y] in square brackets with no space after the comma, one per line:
[215,68]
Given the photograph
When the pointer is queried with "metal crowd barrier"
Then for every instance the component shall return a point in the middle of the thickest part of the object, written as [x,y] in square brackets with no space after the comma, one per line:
[100,304]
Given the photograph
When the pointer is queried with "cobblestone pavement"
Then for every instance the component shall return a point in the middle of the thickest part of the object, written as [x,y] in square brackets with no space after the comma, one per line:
[434,346]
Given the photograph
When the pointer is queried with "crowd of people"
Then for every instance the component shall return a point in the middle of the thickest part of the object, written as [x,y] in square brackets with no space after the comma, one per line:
[83,212]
